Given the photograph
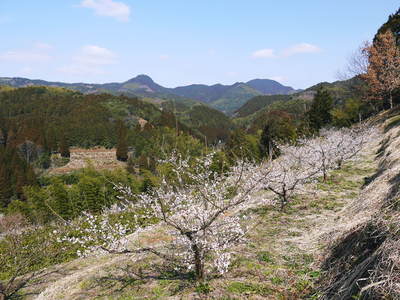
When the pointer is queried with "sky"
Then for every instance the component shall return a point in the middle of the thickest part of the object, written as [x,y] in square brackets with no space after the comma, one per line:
[181,42]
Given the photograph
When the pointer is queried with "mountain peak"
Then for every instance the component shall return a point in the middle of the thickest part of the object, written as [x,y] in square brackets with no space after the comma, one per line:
[269,86]
[142,78]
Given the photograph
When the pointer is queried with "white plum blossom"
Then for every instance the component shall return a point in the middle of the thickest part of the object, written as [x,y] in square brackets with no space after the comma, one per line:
[289,172]
[98,235]
[308,159]
[203,210]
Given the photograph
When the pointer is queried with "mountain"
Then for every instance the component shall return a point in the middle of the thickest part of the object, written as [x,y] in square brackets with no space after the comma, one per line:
[237,95]
[226,98]
[339,90]
[144,84]
[269,87]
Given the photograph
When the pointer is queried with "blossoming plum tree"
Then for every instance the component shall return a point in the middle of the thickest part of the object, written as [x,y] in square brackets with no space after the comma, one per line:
[203,211]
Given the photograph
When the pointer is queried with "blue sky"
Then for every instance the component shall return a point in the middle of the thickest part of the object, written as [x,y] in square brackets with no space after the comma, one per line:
[179,42]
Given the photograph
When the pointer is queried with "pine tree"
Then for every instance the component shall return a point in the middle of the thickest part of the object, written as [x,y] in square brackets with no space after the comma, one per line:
[319,114]
[122,145]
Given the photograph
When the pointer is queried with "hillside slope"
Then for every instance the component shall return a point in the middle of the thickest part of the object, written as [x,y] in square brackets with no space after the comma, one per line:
[365,262]
[339,90]
[281,259]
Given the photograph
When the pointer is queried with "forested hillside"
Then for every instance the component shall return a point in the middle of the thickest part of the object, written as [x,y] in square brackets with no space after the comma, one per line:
[37,122]
[226,98]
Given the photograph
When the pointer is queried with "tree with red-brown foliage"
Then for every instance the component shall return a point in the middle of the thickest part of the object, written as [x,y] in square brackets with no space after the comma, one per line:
[383,72]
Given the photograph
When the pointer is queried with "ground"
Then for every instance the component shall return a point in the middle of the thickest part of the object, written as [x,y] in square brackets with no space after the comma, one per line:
[280,259]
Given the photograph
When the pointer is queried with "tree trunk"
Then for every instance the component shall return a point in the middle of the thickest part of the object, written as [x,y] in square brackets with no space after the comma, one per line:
[284,200]
[198,258]
[198,263]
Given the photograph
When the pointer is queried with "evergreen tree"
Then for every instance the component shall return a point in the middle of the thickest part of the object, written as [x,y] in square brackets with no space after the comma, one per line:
[91,195]
[20,182]
[64,147]
[122,145]
[60,200]
[393,24]
[5,186]
[236,145]
[319,114]
[268,147]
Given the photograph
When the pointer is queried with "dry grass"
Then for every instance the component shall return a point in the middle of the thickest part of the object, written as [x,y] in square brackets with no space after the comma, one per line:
[364,263]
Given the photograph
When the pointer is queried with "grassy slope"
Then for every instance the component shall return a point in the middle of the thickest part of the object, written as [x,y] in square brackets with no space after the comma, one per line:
[280,260]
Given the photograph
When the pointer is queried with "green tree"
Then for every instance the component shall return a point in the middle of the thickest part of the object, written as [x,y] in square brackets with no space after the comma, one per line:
[60,200]
[319,114]
[5,186]
[64,147]
[242,146]
[122,145]
[279,128]
[352,111]
[268,146]
[91,194]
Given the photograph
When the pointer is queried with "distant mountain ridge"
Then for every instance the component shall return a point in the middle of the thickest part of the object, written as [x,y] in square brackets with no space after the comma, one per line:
[226,98]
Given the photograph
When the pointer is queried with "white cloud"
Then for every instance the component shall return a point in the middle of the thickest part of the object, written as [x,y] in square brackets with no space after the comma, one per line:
[292,50]
[264,53]
[89,61]
[95,55]
[24,56]
[300,48]
[38,53]
[109,8]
